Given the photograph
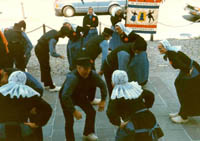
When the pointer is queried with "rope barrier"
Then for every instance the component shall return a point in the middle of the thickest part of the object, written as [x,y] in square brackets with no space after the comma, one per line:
[49,27]
[34,29]
[100,23]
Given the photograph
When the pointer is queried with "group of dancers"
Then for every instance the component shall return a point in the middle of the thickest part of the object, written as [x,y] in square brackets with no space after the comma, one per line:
[125,67]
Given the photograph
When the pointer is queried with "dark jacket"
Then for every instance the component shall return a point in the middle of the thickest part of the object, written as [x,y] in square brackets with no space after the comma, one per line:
[181,61]
[93,46]
[112,58]
[187,84]
[127,110]
[16,41]
[76,35]
[135,38]
[93,21]
[14,112]
[44,39]
[18,110]
[76,87]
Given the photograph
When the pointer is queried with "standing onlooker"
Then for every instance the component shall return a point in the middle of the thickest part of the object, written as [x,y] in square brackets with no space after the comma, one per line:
[186,83]
[76,90]
[128,110]
[90,20]
[47,43]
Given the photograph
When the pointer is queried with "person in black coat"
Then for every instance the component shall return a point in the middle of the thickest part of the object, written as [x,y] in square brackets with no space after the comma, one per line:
[47,44]
[90,21]
[23,112]
[128,110]
[21,26]
[77,90]
[186,83]
[16,45]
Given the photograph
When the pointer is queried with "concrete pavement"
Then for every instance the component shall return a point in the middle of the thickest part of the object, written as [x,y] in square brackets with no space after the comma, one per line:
[165,102]
[161,81]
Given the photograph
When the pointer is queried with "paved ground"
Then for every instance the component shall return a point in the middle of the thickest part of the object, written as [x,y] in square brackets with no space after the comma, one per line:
[165,102]
[160,82]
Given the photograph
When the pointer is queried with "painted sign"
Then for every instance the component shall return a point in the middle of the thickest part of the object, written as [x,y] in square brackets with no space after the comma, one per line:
[142,15]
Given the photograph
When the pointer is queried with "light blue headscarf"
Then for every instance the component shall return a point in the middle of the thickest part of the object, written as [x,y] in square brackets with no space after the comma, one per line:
[123,88]
[115,9]
[169,47]
[126,30]
[16,86]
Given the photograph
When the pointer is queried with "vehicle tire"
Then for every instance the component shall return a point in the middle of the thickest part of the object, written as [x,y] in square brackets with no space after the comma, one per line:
[111,8]
[68,11]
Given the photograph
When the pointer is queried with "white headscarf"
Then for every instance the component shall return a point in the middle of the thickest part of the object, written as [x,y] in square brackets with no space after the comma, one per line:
[16,86]
[123,88]
[169,47]
[127,31]
[93,13]
[115,9]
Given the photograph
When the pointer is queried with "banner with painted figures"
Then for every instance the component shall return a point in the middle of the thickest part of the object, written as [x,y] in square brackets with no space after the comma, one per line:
[142,15]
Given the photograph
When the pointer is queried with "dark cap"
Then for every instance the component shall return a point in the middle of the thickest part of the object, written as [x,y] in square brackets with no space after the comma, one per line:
[108,31]
[83,59]
[64,31]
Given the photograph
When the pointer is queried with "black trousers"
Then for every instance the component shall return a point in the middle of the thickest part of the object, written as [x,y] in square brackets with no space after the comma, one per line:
[43,58]
[90,112]
[5,61]
[16,56]
[14,133]
[38,134]
[108,77]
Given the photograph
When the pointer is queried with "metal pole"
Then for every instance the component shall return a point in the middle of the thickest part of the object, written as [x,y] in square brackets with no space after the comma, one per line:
[151,37]
[23,14]
[44,29]
[99,28]
[126,7]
